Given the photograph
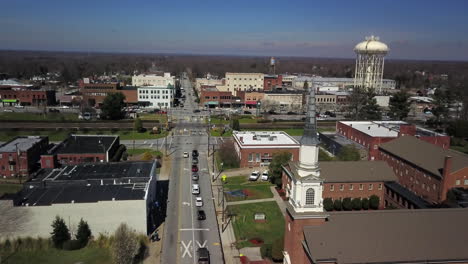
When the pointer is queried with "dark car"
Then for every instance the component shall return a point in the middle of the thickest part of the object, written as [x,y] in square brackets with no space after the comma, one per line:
[291,113]
[203,256]
[271,112]
[194,160]
[247,112]
[194,168]
[53,110]
[201,215]
[195,153]
[330,113]
[196,111]
[195,176]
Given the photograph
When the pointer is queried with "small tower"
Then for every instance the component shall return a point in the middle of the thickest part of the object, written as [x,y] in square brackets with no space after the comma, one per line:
[272,65]
[370,64]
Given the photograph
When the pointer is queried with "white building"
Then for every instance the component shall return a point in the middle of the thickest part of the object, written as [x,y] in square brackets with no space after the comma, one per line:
[153,80]
[156,96]
[199,82]
[242,81]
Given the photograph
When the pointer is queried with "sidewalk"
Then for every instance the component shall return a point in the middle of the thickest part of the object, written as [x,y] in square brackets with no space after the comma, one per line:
[253,201]
[281,203]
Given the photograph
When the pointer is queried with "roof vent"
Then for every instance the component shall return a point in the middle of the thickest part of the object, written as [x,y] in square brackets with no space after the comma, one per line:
[113,199]
[138,170]
[368,128]
[72,201]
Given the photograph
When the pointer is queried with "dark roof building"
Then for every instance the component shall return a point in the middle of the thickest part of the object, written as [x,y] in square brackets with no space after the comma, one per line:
[393,236]
[20,155]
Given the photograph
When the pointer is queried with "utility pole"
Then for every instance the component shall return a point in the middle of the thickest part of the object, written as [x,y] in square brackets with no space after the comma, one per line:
[209,130]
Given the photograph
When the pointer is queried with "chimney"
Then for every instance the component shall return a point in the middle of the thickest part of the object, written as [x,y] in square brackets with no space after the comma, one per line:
[241,139]
[368,128]
[448,181]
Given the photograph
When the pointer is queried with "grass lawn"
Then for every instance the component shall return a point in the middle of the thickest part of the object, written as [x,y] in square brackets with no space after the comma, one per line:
[9,188]
[255,190]
[246,228]
[217,121]
[52,117]
[460,148]
[217,133]
[85,255]
[153,117]
[59,135]
[139,151]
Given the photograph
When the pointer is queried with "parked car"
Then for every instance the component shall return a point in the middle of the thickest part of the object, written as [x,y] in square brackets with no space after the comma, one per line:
[53,110]
[292,113]
[194,160]
[195,176]
[19,106]
[195,189]
[198,201]
[196,111]
[265,176]
[247,112]
[203,256]
[331,114]
[201,215]
[8,110]
[65,107]
[195,153]
[194,168]
[186,154]
[254,176]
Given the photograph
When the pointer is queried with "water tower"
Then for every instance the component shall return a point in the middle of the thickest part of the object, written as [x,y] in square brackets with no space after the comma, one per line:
[272,65]
[370,64]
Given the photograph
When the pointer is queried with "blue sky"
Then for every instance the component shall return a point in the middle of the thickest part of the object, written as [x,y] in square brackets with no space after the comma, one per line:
[413,29]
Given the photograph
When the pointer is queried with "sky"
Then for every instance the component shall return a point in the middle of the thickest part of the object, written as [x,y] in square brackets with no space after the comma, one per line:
[413,29]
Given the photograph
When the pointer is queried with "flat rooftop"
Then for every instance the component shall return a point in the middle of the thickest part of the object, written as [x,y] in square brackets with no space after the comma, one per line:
[269,138]
[386,128]
[84,144]
[390,236]
[97,171]
[23,143]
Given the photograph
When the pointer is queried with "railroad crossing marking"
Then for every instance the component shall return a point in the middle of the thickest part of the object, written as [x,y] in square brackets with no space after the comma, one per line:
[186,249]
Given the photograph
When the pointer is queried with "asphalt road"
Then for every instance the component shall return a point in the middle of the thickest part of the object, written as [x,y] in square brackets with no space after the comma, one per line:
[183,232]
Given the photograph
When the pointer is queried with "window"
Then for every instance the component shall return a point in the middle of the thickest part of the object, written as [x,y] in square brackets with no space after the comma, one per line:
[380,186]
[310,196]
[465,182]
[257,157]
[332,187]
[341,187]
[371,186]
[351,187]
[361,187]
[250,157]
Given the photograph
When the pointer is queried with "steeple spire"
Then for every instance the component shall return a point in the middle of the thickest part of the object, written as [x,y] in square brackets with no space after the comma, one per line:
[310,128]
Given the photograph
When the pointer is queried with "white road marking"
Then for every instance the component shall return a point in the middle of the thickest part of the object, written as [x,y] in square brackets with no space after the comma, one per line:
[186,249]
[186,203]
[201,245]
[194,229]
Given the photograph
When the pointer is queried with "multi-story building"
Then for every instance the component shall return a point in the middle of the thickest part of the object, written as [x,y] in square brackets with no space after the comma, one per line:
[342,83]
[288,80]
[372,133]
[244,81]
[77,149]
[425,169]
[211,97]
[156,96]
[11,97]
[19,156]
[153,80]
[272,81]
[199,82]
[283,100]
[250,98]
[105,194]
[94,93]
[256,148]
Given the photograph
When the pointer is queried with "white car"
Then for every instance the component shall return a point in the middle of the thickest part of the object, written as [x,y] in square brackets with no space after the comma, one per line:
[186,154]
[19,106]
[264,176]
[198,201]
[195,189]
[8,110]
[254,176]
[65,107]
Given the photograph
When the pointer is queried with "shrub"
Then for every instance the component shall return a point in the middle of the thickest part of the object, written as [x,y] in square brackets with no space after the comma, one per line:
[337,205]
[374,202]
[138,125]
[357,204]
[365,203]
[125,245]
[28,243]
[18,244]
[328,204]
[265,251]
[72,245]
[84,233]
[277,250]
[347,205]
[6,247]
[125,156]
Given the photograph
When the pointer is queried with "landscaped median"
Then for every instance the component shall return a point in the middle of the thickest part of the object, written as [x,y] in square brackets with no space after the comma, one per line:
[238,188]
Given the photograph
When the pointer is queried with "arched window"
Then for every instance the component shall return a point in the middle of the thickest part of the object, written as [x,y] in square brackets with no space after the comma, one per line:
[310,196]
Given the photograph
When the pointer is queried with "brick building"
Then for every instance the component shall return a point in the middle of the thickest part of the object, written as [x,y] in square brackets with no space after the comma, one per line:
[250,98]
[256,148]
[270,82]
[211,97]
[425,169]
[20,155]
[371,134]
[77,149]
[11,97]
[94,93]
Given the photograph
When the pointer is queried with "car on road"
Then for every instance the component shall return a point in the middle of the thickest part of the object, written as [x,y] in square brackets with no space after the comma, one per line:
[195,153]
[194,168]
[196,111]
[291,113]
[65,107]
[19,106]
[195,176]
[247,112]
[264,176]
[186,154]
[198,201]
[8,110]
[201,215]
[254,176]
[53,110]
[203,256]
[195,189]
[195,160]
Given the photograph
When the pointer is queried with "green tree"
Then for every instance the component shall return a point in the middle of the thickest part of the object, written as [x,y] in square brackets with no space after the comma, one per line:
[349,153]
[235,124]
[279,159]
[112,106]
[357,204]
[138,125]
[337,205]
[228,155]
[365,203]
[84,233]
[371,111]
[328,204]
[323,156]
[347,205]
[363,106]
[147,156]
[399,105]
[125,245]
[277,250]
[374,202]
[60,233]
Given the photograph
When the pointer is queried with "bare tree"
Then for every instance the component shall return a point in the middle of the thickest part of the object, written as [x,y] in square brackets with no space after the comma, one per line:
[125,245]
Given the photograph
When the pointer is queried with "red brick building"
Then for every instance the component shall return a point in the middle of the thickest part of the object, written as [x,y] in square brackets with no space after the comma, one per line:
[211,97]
[94,93]
[371,134]
[256,148]
[10,97]
[20,155]
[425,169]
[272,81]
[77,149]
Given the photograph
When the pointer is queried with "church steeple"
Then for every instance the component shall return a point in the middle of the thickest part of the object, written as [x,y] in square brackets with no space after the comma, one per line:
[310,128]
